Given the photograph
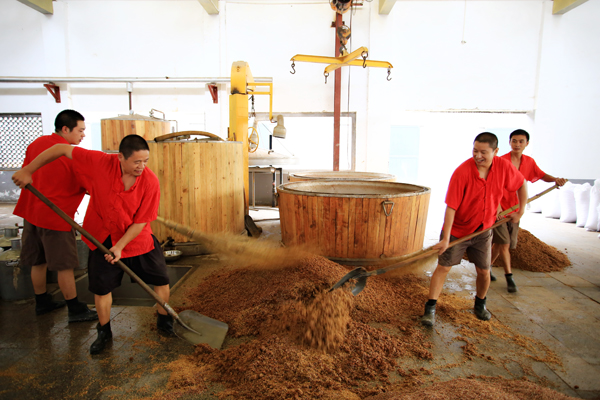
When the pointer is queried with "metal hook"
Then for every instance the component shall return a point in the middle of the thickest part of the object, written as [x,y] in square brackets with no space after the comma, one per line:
[326,75]
[293,69]
[388,76]
[364,55]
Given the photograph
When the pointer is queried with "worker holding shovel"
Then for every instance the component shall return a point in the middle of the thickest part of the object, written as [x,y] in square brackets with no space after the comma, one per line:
[124,198]
[472,200]
[49,242]
[505,236]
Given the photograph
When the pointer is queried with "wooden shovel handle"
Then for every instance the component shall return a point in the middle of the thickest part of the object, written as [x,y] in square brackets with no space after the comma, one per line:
[97,243]
[431,251]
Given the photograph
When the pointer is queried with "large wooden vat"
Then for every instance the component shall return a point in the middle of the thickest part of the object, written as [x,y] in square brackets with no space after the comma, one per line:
[354,221]
[201,184]
[115,129]
[340,176]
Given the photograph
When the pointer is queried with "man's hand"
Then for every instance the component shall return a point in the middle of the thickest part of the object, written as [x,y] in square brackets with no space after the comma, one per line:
[560,181]
[116,251]
[22,178]
[516,217]
[442,245]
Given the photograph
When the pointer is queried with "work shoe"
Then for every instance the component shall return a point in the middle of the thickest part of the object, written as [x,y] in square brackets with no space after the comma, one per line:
[44,304]
[480,311]
[492,277]
[164,324]
[104,336]
[82,315]
[510,284]
[428,318]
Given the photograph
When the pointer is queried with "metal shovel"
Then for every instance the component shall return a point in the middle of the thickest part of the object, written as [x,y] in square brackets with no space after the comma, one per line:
[360,274]
[190,325]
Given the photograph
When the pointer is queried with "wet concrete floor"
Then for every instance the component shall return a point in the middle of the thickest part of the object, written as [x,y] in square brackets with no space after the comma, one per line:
[46,357]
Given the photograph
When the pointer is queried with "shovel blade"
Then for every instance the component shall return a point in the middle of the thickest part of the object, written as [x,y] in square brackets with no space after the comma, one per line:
[202,329]
[360,284]
[356,273]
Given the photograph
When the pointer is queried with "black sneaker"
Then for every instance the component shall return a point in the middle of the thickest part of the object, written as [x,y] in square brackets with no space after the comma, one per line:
[492,277]
[82,316]
[44,304]
[104,336]
[510,284]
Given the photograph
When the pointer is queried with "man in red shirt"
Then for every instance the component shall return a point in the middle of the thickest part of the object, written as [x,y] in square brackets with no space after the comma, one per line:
[124,197]
[505,236]
[48,241]
[472,201]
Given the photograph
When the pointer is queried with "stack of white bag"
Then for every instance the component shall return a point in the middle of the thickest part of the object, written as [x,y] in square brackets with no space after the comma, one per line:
[582,203]
[551,207]
[534,188]
[593,219]
[568,213]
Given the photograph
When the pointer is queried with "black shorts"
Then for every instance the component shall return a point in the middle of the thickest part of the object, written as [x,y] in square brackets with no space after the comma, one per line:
[105,277]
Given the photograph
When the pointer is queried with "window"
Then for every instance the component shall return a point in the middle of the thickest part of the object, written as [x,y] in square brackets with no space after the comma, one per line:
[17,131]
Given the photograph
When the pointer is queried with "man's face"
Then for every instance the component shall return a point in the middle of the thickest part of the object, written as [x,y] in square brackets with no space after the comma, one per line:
[135,164]
[76,135]
[518,143]
[483,154]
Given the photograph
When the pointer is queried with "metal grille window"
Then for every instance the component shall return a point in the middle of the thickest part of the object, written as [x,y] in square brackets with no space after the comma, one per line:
[17,131]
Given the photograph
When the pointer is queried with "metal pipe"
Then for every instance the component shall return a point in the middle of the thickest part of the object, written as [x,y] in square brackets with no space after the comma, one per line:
[337,108]
[166,79]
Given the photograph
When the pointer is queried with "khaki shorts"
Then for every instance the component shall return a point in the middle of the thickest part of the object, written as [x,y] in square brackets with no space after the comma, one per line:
[40,246]
[506,233]
[479,250]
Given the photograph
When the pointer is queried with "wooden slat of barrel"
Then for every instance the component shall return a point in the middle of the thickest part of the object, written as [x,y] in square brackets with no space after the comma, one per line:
[201,186]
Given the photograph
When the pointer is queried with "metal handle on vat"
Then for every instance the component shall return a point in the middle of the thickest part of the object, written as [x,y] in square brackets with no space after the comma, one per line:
[386,203]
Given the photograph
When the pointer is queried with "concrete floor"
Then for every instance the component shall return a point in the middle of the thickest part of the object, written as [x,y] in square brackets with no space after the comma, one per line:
[45,357]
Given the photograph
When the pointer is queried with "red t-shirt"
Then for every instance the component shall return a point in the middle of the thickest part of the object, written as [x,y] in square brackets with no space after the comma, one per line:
[476,200]
[112,209]
[529,170]
[56,181]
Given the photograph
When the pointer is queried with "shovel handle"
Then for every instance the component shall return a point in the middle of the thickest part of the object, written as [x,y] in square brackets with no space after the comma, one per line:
[431,251]
[97,243]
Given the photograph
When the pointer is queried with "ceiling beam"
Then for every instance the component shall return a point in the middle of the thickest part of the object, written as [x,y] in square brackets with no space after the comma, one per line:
[562,6]
[385,6]
[43,6]
[211,6]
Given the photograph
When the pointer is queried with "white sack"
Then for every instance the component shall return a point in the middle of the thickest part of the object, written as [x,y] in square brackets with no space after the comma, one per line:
[582,203]
[568,213]
[534,188]
[551,208]
[592,220]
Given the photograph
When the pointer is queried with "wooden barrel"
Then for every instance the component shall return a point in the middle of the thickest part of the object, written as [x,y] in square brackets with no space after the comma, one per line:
[357,222]
[340,176]
[201,185]
[115,129]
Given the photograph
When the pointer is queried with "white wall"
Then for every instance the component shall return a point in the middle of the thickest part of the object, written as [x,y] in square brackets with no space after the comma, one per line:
[517,56]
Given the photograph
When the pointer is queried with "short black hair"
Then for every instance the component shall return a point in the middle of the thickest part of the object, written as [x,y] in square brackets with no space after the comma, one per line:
[132,143]
[489,138]
[67,118]
[519,132]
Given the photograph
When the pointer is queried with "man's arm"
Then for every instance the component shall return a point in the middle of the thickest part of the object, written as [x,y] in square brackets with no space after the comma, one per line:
[550,178]
[448,221]
[130,234]
[522,194]
[22,177]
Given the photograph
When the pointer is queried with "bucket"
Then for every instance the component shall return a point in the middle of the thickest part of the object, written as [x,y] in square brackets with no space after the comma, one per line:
[15,280]
[354,222]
